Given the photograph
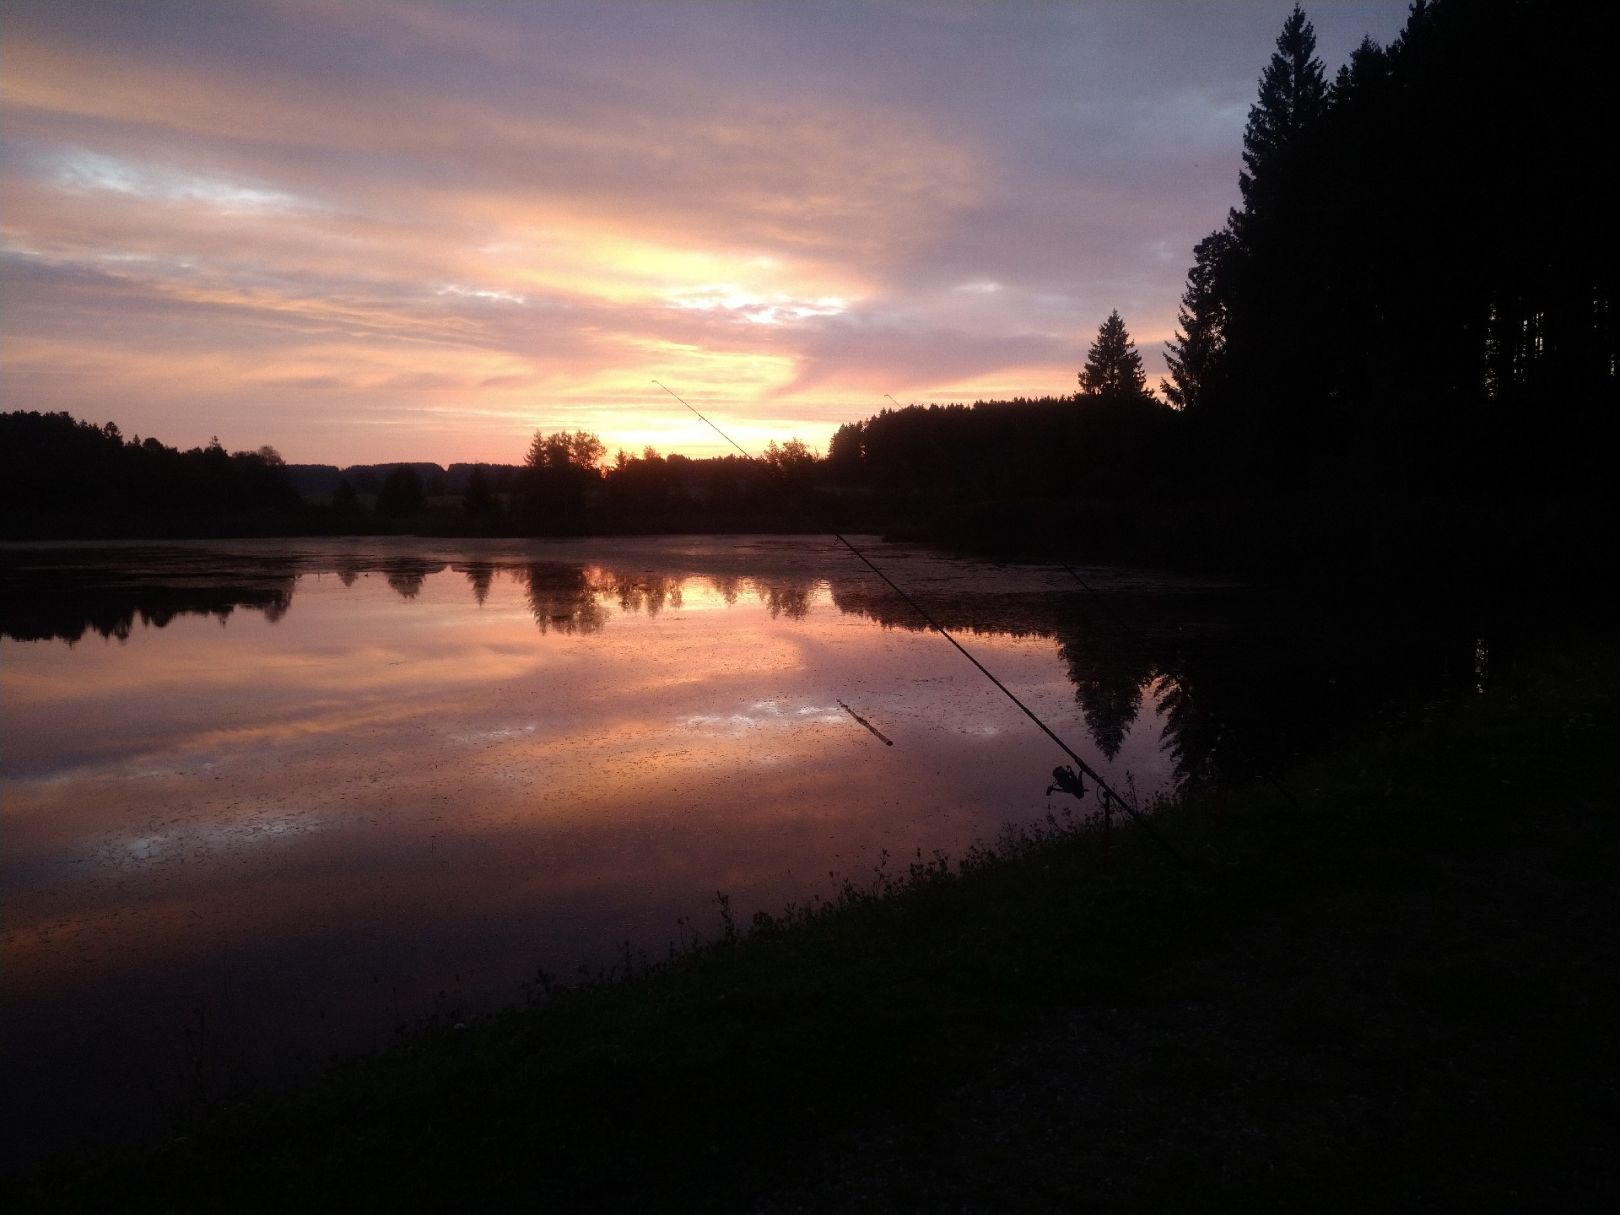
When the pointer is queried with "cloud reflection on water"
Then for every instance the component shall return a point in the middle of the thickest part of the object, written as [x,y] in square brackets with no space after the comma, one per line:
[425,767]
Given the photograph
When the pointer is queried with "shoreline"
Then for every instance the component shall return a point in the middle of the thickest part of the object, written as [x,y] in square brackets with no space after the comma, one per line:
[1335,542]
[1391,995]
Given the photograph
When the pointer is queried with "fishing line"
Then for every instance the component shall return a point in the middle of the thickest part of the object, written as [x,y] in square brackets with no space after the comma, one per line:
[1102,785]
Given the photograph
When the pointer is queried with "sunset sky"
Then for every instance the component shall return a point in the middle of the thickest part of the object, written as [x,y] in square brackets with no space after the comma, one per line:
[366,230]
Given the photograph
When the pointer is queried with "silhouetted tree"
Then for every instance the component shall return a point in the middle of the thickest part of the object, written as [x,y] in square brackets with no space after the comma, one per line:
[846,453]
[61,476]
[345,502]
[1293,97]
[1401,301]
[261,481]
[1263,277]
[558,473]
[562,450]
[1194,355]
[793,466]
[1113,367]
[401,495]
[478,500]
[1363,74]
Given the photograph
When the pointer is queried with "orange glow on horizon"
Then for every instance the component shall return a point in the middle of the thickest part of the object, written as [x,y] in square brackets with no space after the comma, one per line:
[197,245]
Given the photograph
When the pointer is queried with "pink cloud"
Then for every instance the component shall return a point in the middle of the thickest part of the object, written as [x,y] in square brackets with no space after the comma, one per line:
[288,222]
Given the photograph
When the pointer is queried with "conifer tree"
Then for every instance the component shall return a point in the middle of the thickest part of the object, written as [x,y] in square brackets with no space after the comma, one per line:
[1274,305]
[1293,96]
[1113,367]
[1194,355]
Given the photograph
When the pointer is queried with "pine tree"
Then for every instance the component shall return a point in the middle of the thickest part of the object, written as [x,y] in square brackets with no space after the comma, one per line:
[1293,96]
[1194,355]
[1274,303]
[1113,367]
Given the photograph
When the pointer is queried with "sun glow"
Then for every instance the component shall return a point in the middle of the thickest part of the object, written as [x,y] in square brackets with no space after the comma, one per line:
[259,249]
[731,299]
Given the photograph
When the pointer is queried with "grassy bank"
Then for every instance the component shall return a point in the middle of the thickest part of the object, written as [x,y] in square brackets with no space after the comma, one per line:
[1397,995]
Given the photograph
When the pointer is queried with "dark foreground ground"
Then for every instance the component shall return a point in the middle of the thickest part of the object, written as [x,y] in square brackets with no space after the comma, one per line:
[1398,995]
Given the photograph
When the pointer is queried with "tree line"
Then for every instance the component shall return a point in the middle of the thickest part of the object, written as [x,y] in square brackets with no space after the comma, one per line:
[1419,281]
[1404,332]
[61,476]
[1408,318]
[1417,287]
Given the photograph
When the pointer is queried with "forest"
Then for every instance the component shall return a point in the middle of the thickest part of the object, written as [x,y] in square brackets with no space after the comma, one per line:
[1403,335]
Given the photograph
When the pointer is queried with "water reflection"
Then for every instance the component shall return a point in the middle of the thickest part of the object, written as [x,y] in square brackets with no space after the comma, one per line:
[562,598]
[51,596]
[479,576]
[1110,683]
[407,574]
[1225,703]
[446,767]
[646,591]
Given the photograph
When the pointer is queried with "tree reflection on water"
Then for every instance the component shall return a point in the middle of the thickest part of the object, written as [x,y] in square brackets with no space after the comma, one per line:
[62,596]
[562,598]
[468,760]
[1237,692]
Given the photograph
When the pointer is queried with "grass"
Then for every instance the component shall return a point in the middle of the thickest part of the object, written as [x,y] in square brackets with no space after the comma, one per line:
[1397,996]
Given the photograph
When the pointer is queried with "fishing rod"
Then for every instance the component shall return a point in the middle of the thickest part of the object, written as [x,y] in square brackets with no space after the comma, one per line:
[876,733]
[1067,781]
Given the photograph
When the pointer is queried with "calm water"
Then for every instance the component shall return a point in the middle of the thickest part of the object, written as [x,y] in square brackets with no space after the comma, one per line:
[268,802]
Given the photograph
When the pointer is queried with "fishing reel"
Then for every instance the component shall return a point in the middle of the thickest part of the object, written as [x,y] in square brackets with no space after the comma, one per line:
[1066,780]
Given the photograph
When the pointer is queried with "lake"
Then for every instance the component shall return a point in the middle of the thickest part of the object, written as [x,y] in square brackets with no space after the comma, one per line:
[267,802]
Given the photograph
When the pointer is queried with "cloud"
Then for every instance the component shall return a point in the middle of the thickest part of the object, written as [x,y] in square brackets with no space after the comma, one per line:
[312,211]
